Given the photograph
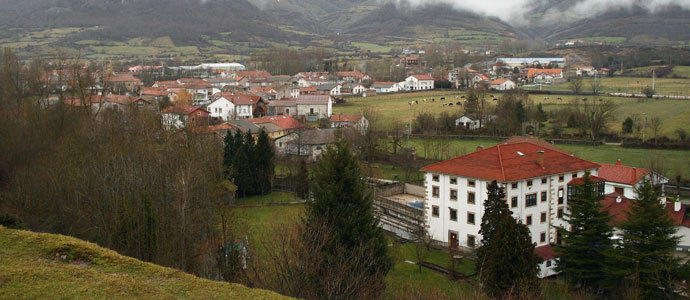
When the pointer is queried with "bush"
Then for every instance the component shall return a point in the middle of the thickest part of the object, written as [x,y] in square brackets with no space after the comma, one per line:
[12,221]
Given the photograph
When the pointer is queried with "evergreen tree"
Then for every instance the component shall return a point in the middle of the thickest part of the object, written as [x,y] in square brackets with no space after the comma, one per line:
[628,125]
[505,270]
[342,202]
[302,180]
[541,114]
[520,114]
[229,152]
[242,175]
[264,163]
[648,246]
[587,258]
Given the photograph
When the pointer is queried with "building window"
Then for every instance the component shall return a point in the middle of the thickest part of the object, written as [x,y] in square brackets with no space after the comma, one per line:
[561,178]
[453,214]
[542,237]
[560,213]
[470,183]
[470,241]
[470,197]
[548,263]
[560,196]
[453,194]
[543,181]
[453,180]
[434,211]
[528,220]
[434,178]
[311,111]
[530,200]
[574,175]
[542,218]
[513,185]
[513,202]
[470,218]
[530,183]
[543,196]
[434,191]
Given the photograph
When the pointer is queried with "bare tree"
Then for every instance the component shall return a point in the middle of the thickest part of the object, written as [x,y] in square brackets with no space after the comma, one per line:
[655,124]
[576,84]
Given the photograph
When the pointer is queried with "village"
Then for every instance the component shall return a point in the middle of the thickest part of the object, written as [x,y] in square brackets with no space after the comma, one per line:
[433,151]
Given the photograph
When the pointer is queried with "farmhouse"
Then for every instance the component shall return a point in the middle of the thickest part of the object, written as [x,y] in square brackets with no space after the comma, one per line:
[534,178]
[419,82]
[520,62]
[624,180]
[184,115]
[350,121]
[385,87]
[314,107]
[544,76]
[502,84]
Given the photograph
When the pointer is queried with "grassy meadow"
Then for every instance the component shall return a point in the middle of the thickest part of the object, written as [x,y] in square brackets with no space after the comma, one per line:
[51,266]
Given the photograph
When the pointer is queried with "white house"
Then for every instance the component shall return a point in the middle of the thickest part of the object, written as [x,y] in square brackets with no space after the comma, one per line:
[314,106]
[586,71]
[420,82]
[385,87]
[469,122]
[502,84]
[329,89]
[534,178]
[243,106]
[222,108]
[623,180]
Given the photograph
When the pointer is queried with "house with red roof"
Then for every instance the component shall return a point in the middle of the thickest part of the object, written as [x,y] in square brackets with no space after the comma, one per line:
[623,180]
[502,84]
[350,121]
[352,76]
[231,106]
[535,180]
[419,82]
[184,115]
[543,76]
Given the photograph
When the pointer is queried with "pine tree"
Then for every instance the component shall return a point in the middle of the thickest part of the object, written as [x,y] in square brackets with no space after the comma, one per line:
[302,180]
[228,152]
[505,270]
[586,257]
[648,245]
[264,163]
[342,202]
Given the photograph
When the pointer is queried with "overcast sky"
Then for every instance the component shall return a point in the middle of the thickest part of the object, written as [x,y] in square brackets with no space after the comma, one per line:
[515,11]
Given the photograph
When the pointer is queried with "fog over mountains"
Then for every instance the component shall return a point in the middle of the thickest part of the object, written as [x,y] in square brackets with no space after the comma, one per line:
[186,20]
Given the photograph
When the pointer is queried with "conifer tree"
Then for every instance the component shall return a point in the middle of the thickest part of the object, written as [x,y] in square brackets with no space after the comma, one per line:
[504,269]
[587,257]
[342,202]
[228,151]
[264,163]
[648,246]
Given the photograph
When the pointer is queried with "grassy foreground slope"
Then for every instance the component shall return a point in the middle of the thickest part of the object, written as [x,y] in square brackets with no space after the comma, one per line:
[48,266]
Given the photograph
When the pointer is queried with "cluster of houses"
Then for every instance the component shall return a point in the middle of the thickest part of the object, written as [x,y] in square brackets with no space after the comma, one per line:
[538,179]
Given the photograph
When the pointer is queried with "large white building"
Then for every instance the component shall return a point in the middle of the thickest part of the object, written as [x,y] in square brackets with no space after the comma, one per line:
[623,180]
[534,175]
[419,82]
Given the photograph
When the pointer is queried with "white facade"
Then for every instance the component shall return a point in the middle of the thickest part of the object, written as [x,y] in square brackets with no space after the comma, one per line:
[358,89]
[222,109]
[466,122]
[503,86]
[538,202]
[419,84]
[629,190]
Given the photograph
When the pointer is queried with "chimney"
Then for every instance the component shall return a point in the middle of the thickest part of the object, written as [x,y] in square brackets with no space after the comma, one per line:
[634,175]
[540,158]
[676,206]
[619,199]
[480,147]
[618,162]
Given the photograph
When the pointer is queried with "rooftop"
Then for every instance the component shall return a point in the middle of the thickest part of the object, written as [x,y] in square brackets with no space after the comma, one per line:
[511,162]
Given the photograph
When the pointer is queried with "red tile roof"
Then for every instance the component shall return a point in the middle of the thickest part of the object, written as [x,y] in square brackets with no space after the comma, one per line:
[184,109]
[546,252]
[531,72]
[123,79]
[346,118]
[353,74]
[619,210]
[499,81]
[505,163]
[285,122]
[423,77]
[154,91]
[533,140]
[239,99]
[622,174]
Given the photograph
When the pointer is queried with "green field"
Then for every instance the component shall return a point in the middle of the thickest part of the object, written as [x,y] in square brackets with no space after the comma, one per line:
[394,109]
[619,84]
[50,266]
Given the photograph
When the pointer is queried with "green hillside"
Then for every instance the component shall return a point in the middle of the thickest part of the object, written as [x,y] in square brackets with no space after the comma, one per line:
[48,266]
